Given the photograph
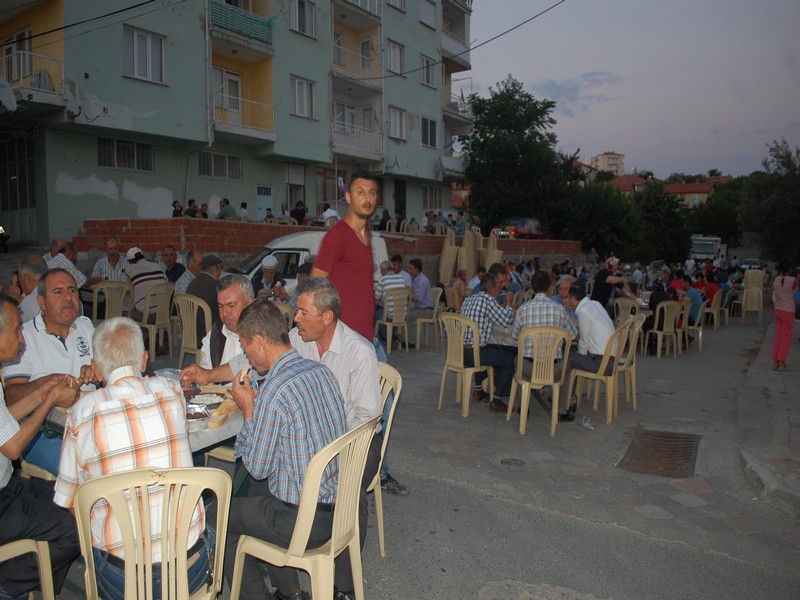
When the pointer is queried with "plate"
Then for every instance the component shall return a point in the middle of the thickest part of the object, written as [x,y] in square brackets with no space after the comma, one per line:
[211,401]
[196,416]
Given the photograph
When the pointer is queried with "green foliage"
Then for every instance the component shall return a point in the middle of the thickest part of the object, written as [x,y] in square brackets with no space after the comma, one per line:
[604,176]
[664,232]
[719,215]
[513,167]
[771,209]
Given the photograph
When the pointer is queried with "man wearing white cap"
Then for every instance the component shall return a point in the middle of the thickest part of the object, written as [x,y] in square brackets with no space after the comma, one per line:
[267,284]
[143,274]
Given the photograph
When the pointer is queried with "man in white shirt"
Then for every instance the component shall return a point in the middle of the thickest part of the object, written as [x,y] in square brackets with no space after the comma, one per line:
[193,260]
[143,274]
[234,294]
[111,267]
[30,271]
[595,327]
[67,259]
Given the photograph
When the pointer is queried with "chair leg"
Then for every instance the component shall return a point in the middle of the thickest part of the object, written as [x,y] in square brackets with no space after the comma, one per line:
[389,331]
[524,405]
[554,410]
[465,392]
[441,388]
[511,397]
[610,392]
[379,518]
[238,569]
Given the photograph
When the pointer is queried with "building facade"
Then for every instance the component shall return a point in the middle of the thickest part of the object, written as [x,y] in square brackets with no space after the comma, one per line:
[609,161]
[123,107]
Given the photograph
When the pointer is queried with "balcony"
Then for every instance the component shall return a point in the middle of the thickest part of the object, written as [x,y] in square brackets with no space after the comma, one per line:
[455,48]
[238,32]
[458,108]
[371,6]
[360,69]
[36,79]
[359,142]
[453,166]
[243,121]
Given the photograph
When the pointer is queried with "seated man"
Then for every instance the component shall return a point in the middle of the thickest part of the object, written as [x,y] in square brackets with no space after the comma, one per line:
[267,284]
[389,281]
[298,395]
[691,295]
[58,346]
[193,260]
[26,505]
[596,329]
[234,294]
[143,274]
[421,306]
[172,268]
[204,286]
[67,259]
[111,267]
[482,307]
[30,271]
[133,422]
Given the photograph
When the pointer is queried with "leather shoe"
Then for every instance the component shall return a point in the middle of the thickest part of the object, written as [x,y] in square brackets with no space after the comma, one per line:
[343,596]
[298,595]
[480,396]
[498,406]
[566,417]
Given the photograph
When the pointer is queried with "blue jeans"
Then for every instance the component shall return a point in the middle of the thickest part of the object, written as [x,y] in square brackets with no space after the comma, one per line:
[44,452]
[111,578]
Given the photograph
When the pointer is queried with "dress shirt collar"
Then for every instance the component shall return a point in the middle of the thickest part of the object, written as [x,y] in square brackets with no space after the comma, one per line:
[121,373]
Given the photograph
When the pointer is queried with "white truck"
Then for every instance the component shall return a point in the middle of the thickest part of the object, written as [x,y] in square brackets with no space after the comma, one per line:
[707,246]
[293,249]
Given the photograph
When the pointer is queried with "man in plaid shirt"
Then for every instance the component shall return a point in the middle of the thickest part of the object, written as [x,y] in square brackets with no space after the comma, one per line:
[482,307]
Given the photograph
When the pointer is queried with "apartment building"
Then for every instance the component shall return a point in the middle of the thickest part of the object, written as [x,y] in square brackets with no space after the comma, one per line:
[123,107]
[609,161]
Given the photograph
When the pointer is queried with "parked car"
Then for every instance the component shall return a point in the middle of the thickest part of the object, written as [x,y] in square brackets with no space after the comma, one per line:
[751,263]
[522,228]
[293,249]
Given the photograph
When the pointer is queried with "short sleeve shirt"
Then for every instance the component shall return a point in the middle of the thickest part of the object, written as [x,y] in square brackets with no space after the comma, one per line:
[8,429]
[46,353]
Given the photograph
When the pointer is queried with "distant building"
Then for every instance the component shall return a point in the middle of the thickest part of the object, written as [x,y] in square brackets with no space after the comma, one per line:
[259,101]
[695,194]
[609,161]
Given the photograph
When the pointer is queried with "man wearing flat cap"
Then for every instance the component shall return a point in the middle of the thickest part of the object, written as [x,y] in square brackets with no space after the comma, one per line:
[204,286]
[143,274]
[267,284]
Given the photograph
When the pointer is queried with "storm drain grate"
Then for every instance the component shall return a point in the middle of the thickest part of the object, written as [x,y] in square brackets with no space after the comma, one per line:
[662,453]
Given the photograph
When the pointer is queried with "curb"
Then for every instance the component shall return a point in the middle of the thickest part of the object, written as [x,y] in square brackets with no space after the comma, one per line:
[767,486]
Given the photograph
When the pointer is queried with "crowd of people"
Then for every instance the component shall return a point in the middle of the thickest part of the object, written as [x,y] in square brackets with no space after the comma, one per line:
[227,212]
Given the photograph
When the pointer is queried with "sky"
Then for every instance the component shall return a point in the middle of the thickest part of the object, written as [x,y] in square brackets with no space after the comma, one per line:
[674,85]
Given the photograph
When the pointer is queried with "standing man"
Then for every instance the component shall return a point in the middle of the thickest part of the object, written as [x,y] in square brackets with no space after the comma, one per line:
[193,260]
[58,347]
[421,297]
[296,412]
[111,267]
[173,269]
[345,255]
[203,211]
[482,307]
[27,511]
[204,287]
[226,211]
[192,209]
[143,274]
[461,223]
[242,213]
[604,282]
[596,328]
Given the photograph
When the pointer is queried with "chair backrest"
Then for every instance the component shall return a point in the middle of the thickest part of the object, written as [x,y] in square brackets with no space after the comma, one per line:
[544,343]
[453,297]
[436,294]
[291,221]
[413,227]
[701,316]
[288,312]
[616,346]
[181,490]
[628,359]
[624,308]
[439,228]
[667,312]
[188,306]
[331,221]
[403,226]
[391,382]
[272,220]
[158,300]
[42,551]
[391,225]
[716,302]
[351,450]
[455,327]
[396,302]
[115,293]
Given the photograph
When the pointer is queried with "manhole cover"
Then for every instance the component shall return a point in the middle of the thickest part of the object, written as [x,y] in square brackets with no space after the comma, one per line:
[512,462]
[662,453]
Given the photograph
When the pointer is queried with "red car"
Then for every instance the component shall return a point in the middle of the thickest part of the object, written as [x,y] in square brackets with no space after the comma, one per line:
[523,228]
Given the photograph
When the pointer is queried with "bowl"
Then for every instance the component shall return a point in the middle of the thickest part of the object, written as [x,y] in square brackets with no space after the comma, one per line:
[174,374]
[196,416]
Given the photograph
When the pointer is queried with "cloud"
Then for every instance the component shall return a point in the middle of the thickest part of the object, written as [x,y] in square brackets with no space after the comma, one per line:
[793,125]
[572,96]
[717,131]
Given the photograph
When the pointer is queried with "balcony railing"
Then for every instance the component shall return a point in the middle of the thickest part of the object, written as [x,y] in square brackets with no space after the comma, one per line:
[360,142]
[239,112]
[355,65]
[241,22]
[459,105]
[26,70]
[371,6]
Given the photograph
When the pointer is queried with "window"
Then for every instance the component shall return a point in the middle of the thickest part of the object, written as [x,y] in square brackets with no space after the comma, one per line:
[17,55]
[122,154]
[302,97]
[295,184]
[143,54]
[428,132]
[431,197]
[398,4]
[217,164]
[344,118]
[427,13]
[428,72]
[397,58]
[397,123]
[303,16]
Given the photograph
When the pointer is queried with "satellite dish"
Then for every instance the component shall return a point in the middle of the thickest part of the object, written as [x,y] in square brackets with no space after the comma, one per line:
[7,98]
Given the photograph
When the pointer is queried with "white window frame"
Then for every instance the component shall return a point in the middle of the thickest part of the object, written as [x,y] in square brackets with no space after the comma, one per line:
[398,4]
[143,54]
[427,13]
[303,104]
[303,17]
[17,55]
[427,74]
[124,154]
[428,130]
[398,123]
[219,165]
[397,57]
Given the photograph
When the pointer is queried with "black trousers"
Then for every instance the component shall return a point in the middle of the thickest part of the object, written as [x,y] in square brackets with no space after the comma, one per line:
[27,510]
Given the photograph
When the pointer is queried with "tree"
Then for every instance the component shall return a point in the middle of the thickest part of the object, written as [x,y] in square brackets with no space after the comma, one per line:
[771,209]
[719,215]
[513,167]
[603,176]
[664,234]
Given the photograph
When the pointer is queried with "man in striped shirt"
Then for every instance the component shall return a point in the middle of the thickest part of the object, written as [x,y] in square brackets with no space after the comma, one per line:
[111,267]
[143,274]
[134,422]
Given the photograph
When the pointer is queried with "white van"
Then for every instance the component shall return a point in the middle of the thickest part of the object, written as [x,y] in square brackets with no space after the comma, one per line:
[293,249]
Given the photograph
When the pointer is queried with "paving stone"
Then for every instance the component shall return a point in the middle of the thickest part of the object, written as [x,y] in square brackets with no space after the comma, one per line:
[653,512]
[689,500]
